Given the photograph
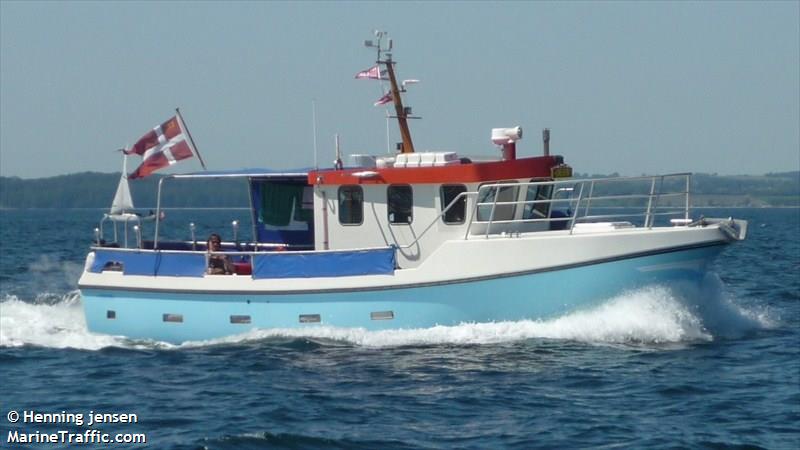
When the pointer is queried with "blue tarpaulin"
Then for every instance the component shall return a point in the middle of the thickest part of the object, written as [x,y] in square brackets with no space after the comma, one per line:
[324,264]
[266,265]
[181,265]
[151,263]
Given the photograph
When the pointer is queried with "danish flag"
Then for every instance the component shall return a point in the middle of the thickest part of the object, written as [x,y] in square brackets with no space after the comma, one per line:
[373,73]
[162,146]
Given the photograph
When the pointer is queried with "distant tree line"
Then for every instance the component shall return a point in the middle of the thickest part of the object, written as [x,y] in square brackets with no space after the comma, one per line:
[96,190]
[773,189]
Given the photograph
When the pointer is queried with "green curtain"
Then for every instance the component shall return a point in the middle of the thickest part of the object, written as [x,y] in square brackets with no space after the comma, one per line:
[277,200]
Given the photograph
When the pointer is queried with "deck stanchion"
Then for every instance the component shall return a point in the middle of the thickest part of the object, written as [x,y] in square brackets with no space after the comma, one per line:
[648,219]
[577,208]
[253,219]
[688,182]
[473,213]
[158,212]
[235,226]
[589,198]
[494,204]
[138,231]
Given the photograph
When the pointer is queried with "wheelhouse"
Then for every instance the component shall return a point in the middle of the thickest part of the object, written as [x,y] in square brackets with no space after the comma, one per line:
[415,202]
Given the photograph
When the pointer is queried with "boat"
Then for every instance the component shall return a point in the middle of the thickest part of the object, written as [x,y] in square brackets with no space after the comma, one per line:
[122,212]
[409,240]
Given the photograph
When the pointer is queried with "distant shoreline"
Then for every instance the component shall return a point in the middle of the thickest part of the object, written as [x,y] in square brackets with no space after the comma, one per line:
[91,190]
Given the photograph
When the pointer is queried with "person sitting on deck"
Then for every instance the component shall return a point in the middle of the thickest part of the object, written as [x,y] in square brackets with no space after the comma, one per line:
[218,264]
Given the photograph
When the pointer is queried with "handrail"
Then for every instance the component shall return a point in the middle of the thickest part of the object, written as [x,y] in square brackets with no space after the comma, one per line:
[582,205]
[229,253]
[438,216]
[126,222]
[579,203]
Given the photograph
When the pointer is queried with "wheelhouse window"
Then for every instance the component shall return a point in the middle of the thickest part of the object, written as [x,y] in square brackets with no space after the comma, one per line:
[283,209]
[508,193]
[281,203]
[399,203]
[458,212]
[351,205]
[536,193]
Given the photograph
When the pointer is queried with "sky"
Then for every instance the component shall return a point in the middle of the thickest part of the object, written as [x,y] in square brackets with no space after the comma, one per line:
[627,87]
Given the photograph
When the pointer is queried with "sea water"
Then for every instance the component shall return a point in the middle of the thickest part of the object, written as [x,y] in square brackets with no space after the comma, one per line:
[661,366]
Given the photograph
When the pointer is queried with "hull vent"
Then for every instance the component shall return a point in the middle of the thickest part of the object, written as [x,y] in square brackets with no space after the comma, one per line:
[381,315]
[310,318]
[240,319]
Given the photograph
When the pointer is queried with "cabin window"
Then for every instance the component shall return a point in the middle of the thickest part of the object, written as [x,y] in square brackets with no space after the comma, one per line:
[281,203]
[458,212]
[538,210]
[351,205]
[508,193]
[399,203]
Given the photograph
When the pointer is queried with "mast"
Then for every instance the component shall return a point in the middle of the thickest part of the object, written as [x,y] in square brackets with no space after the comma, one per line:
[402,119]
[400,111]
[123,202]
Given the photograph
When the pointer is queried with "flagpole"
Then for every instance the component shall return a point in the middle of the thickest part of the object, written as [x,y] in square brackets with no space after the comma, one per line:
[189,135]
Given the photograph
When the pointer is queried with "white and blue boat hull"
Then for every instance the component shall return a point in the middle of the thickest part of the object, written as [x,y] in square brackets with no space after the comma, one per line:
[177,315]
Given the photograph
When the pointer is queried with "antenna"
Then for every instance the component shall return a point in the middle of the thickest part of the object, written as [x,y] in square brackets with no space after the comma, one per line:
[337,164]
[379,35]
[314,126]
[402,114]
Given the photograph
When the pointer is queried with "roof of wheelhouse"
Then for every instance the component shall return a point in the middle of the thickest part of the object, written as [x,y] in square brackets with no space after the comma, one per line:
[246,173]
[473,172]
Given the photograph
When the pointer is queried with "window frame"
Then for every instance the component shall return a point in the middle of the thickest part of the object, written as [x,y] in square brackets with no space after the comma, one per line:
[508,184]
[356,188]
[389,211]
[445,203]
[537,196]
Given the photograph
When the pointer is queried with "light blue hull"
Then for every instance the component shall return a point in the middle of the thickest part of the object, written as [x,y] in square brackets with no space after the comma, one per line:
[178,317]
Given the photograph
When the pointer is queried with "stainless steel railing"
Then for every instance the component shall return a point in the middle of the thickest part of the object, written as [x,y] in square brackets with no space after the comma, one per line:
[598,199]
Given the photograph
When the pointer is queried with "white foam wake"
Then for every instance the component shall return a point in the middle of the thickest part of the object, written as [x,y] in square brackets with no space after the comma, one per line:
[653,315]
[49,321]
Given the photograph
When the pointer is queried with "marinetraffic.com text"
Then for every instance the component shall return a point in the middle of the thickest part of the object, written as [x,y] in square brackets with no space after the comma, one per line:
[31,421]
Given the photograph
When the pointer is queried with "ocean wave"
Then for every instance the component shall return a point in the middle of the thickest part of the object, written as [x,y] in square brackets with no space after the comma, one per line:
[649,316]
[293,441]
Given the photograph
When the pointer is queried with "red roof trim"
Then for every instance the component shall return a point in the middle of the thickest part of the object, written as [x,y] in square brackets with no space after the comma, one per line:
[476,172]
